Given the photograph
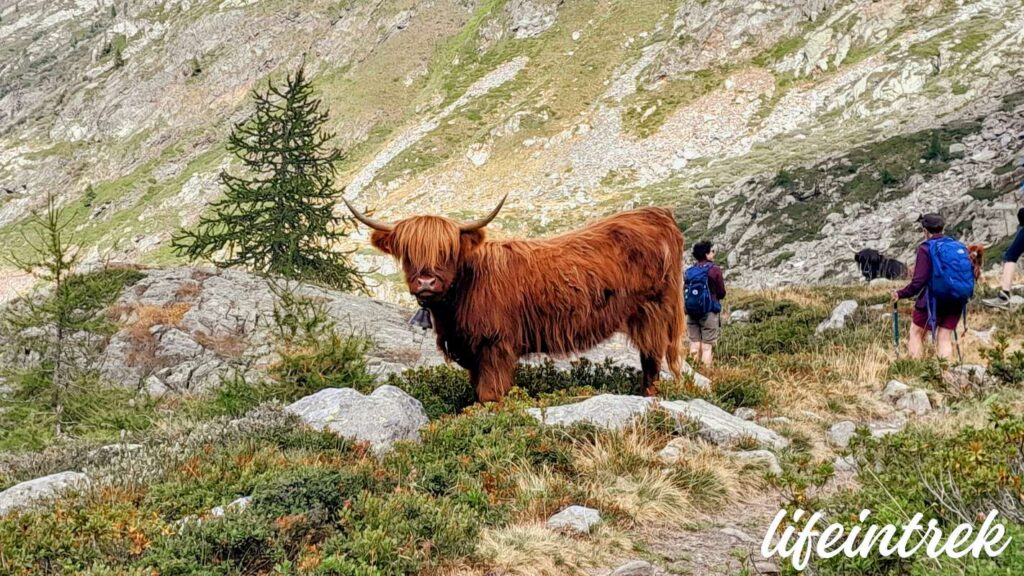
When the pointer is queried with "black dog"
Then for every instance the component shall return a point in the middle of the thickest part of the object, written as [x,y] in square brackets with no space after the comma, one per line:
[873,264]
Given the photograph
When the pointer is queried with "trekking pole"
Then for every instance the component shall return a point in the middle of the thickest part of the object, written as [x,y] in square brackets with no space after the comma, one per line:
[896,328]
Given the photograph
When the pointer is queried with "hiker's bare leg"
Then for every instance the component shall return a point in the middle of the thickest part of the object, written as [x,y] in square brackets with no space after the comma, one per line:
[1006,281]
[707,354]
[944,343]
[915,344]
[695,351]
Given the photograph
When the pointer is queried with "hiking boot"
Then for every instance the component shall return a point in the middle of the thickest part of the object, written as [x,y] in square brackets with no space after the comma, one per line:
[1002,301]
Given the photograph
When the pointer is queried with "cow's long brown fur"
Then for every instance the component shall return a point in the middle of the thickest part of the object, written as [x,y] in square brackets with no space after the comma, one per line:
[508,298]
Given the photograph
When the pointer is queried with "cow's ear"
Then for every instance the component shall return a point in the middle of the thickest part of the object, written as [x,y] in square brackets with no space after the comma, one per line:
[383,241]
[471,241]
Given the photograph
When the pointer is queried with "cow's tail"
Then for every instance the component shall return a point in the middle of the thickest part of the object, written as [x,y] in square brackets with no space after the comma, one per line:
[677,325]
[673,349]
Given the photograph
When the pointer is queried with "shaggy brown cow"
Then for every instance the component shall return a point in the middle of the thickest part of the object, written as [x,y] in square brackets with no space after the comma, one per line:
[493,301]
[977,254]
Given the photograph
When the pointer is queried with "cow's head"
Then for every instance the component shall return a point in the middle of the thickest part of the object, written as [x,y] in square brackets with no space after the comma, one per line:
[430,248]
[869,262]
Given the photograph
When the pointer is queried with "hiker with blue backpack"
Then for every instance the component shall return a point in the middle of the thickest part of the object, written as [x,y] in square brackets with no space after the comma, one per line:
[943,282]
[704,289]
[1010,258]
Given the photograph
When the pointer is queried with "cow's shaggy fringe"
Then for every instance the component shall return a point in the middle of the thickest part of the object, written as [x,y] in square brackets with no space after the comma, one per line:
[503,299]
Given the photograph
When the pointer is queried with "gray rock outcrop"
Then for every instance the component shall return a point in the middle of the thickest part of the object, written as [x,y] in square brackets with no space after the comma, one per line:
[32,493]
[840,313]
[915,402]
[381,418]
[577,519]
[840,434]
[612,411]
[718,426]
[894,390]
[183,329]
[762,457]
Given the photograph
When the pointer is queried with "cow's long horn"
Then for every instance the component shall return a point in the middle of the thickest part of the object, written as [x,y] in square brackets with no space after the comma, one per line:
[375,224]
[478,224]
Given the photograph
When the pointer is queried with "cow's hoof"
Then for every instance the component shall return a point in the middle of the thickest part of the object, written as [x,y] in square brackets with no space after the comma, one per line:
[651,391]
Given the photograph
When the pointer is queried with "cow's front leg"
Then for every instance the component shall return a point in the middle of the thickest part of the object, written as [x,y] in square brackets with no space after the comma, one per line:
[493,375]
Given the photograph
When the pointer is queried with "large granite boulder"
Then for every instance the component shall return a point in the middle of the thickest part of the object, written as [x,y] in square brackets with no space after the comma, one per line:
[381,418]
[34,492]
[612,411]
[720,427]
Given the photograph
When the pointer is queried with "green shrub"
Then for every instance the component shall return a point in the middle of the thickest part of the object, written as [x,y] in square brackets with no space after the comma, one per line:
[238,543]
[404,533]
[1007,368]
[775,327]
[331,362]
[744,391]
[443,390]
[607,377]
[317,492]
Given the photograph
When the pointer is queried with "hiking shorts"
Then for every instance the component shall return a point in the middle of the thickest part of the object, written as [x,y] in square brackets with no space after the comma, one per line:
[704,330]
[1016,248]
[947,316]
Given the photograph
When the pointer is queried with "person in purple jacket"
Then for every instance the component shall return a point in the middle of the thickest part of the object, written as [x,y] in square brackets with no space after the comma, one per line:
[703,331]
[947,315]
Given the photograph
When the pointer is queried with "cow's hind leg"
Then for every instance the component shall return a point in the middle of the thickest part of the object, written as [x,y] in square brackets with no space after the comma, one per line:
[649,331]
[651,367]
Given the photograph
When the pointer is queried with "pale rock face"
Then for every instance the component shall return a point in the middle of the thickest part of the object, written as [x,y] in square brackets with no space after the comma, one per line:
[530,18]
[635,568]
[34,493]
[762,457]
[606,410]
[915,402]
[837,321]
[720,427]
[576,519]
[894,390]
[381,418]
[152,123]
[840,434]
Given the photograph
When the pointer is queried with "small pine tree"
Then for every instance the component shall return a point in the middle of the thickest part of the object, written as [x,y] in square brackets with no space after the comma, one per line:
[278,217]
[52,261]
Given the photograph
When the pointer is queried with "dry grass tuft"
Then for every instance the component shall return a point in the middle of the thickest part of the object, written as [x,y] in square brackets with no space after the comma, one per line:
[621,471]
[533,550]
[541,492]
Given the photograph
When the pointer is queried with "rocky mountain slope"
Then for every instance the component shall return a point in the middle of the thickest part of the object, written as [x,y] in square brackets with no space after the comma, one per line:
[786,130]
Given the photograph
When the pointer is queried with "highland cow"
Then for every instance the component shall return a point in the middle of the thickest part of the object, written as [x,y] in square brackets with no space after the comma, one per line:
[873,264]
[977,254]
[494,301]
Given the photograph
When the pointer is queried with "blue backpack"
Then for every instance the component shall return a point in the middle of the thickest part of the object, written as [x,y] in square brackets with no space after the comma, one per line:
[952,279]
[697,300]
